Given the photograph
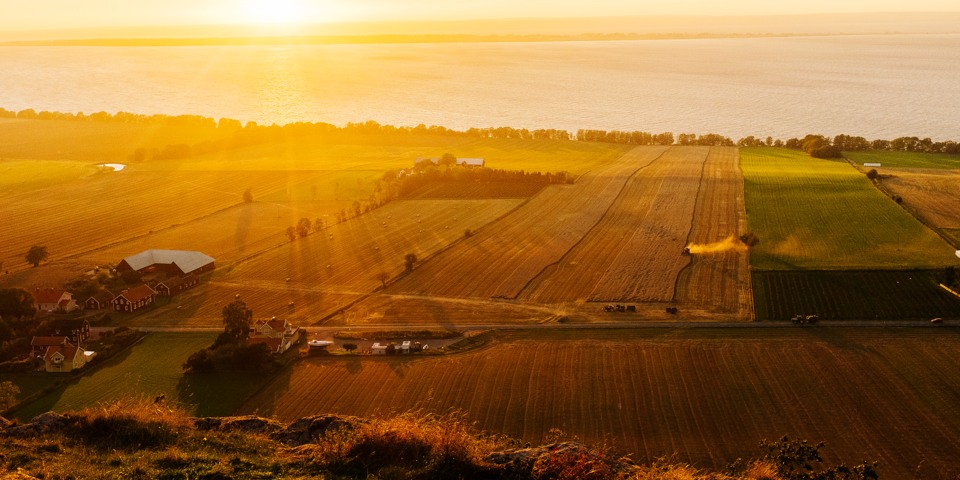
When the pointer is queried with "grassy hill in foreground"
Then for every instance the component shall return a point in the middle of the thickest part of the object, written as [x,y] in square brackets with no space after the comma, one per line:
[151,440]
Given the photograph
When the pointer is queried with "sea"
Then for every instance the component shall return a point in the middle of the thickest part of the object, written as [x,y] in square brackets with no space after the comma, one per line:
[876,86]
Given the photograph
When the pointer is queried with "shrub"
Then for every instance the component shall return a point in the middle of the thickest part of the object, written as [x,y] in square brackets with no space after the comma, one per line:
[873,174]
[128,426]
[826,151]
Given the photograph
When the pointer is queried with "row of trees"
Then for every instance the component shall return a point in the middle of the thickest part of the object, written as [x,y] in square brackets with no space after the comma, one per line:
[119,117]
[251,133]
[849,143]
[395,184]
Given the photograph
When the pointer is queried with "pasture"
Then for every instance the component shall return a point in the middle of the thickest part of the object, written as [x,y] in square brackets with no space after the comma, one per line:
[904,159]
[151,368]
[707,396]
[820,214]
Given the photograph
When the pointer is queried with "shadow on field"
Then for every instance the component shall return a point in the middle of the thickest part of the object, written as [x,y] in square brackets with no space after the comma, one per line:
[224,394]
[353,365]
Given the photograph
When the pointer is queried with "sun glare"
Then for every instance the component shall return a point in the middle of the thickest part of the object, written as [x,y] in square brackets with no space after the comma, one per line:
[275,12]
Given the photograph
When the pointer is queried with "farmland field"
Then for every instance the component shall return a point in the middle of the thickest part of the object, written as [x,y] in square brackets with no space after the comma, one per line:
[152,368]
[324,272]
[718,277]
[633,251]
[853,295]
[707,396]
[820,214]
[932,195]
[500,261]
[904,159]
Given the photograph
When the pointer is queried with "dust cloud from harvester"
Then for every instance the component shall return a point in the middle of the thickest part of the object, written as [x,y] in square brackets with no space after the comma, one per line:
[728,244]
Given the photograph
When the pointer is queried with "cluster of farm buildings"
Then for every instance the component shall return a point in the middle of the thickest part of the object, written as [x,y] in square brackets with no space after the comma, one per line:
[163,273]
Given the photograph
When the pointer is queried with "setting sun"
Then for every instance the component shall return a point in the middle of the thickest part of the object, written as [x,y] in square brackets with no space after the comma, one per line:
[274,12]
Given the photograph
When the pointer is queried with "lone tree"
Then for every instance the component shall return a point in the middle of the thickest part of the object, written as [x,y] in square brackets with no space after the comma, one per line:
[303,227]
[291,233]
[37,254]
[248,195]
[237,319]
[409,261]
[383,277]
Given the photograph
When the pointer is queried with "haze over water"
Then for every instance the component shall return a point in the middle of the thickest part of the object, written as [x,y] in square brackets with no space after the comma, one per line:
[874,86]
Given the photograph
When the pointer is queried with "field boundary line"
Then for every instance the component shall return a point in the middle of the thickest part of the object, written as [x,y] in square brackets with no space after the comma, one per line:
[591,229]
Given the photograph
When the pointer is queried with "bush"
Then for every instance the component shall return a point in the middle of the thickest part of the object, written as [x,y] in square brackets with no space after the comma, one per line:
[826,151]
[873,174]
[128,426]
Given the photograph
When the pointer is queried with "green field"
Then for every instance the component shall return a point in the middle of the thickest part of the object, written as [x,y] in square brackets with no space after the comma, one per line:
[904,159]
[820,214]
[150,368]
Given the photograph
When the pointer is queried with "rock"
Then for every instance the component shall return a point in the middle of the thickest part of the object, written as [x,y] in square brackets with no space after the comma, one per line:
[307,430]
[42,424]
[521,462]
[246,424]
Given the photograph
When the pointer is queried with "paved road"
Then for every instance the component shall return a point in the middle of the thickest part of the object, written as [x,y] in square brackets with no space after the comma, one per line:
[580,326]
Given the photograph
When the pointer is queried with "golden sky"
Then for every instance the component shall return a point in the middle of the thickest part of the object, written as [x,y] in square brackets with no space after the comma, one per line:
[65,14]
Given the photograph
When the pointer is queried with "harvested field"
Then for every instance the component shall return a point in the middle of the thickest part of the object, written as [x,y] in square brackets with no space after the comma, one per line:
[228,235]
[327,271]
[460,190]
[718,277]
[633,252]
[821,214]
[501,260]
[931,195]
[706,396]
[437,312]
[853,295]
[100,211]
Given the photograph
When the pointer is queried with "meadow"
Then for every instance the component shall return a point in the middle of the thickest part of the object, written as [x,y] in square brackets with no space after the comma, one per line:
[821,214]
[706,396]
[149,369]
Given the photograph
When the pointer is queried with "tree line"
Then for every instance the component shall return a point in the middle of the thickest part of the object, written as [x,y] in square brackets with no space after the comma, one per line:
[251,133]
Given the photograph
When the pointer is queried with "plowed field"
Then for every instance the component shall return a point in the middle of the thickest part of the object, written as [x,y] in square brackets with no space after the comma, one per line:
[500,261]
[708,396]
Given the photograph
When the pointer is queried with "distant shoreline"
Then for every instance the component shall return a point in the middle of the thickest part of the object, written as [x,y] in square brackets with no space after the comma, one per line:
[397,39]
